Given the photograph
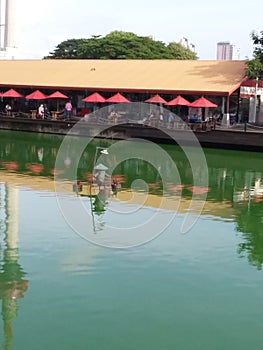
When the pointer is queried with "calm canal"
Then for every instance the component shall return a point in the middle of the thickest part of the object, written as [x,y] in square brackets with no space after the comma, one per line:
[198,290]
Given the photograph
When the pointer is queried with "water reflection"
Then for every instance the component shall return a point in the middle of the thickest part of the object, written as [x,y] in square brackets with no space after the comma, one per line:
[99,195]
[100,201]
[98,207]
[235,190]
[12,282]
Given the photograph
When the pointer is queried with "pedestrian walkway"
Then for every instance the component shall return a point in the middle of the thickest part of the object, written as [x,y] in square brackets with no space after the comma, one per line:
[246,127]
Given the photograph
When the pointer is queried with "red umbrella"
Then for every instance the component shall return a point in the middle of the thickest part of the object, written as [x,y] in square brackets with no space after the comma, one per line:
[57,95]
[178,101]
[202,102]
[95,97]
[156,99]
[12,93]
[117,98]
[36,95]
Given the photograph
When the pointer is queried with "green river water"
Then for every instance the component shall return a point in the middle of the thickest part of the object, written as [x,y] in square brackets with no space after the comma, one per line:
[197,290]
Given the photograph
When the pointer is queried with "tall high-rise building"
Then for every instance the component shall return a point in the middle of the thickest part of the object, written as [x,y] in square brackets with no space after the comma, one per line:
[227,51]
[7,28]
[185,43]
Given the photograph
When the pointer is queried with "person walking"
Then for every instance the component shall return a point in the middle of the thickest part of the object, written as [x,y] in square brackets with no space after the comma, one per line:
[68,109]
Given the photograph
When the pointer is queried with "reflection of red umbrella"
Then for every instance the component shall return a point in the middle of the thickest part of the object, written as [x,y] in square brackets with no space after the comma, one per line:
[36,95]
[12,93]
[117,98]
[57,95]
[89,176]
[178,101]
[35,167]
[174,188]
[10,166]
[198,189]
[156,99]
[120,178]
[202,102]
[56,172]
[95,97]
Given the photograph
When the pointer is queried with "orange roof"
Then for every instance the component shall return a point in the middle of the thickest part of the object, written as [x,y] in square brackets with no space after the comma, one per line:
[166,76]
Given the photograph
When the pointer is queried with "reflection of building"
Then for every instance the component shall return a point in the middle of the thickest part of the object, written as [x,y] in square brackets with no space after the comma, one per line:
[100,201]
[227,51]
[12,284]
[98,197]
[251,192]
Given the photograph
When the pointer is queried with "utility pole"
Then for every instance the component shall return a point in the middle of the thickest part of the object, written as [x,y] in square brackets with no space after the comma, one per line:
[253,105]
[255,101]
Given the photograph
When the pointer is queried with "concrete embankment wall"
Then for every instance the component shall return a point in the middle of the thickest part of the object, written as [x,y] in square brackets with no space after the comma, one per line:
[228,139]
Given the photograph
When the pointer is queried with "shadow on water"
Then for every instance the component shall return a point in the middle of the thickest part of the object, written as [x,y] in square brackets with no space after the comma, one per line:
[235,191]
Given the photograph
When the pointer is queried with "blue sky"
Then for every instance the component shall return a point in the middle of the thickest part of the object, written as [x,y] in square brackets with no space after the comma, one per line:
[43,25]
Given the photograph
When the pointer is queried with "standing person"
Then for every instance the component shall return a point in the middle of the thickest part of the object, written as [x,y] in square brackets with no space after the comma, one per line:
[170,120]
[8,109]
[41,111]
[161,119]
[68,109]
[46,112]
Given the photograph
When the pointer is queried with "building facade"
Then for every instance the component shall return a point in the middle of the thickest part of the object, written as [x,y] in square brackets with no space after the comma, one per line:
[227,51]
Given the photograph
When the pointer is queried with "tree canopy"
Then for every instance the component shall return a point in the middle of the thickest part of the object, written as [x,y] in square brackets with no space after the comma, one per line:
[255,66]
[120,45]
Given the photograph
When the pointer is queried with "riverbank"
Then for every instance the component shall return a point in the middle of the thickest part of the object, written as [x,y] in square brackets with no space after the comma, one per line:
[226,138]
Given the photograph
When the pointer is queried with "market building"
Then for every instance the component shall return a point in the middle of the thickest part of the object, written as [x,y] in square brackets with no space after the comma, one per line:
[220,81]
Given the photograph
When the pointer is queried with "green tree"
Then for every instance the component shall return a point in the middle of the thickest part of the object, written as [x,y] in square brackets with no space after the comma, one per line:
[119,45]
[180,52]
[258,45]
[255,66]
[68,49]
